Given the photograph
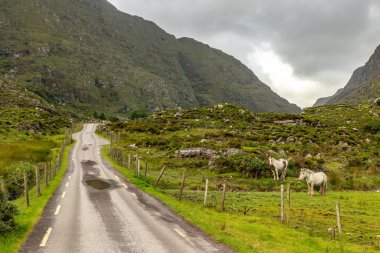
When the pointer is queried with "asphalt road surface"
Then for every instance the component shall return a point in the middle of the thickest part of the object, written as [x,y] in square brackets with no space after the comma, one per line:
[96,210]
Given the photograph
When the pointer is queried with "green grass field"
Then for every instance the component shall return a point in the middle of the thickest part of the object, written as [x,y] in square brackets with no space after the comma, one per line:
[259,230]
[28,217]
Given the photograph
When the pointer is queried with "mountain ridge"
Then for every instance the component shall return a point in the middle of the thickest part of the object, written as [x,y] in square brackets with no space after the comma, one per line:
[89,56]
[362,87]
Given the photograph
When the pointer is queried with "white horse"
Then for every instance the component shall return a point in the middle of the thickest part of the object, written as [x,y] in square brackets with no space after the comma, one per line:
[314,178]
[276,165]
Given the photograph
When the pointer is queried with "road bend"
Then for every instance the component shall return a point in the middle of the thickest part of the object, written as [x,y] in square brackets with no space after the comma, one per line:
[96,210]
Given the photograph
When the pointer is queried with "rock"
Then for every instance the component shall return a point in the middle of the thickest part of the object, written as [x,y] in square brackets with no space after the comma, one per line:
[195,152]
[343,144]
[282,152]
[133,146]
[178,115]
[290,139]
[308,156]
[219,106]
[367,140]
[281,139]
[204,141]
[355,129]
[232,151]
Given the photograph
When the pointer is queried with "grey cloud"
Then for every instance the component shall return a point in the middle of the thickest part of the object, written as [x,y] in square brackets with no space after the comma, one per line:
[318,38]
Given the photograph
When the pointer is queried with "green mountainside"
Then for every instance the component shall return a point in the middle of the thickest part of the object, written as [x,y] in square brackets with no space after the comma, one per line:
[238,142]
[21,111]
[87,55]
[363,86]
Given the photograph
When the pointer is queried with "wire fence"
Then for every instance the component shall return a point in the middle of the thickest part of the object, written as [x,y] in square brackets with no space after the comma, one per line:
[214,190]
[16,185]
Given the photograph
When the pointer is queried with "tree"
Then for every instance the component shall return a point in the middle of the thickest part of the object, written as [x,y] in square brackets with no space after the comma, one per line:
[95,115]
[7,213]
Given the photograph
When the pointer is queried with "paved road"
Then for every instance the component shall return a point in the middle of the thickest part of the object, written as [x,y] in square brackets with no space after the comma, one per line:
[96,210]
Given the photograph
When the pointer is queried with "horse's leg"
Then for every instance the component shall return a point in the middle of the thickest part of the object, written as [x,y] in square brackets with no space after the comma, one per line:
[308,189]
[274,175]
[312,189]
[277,178]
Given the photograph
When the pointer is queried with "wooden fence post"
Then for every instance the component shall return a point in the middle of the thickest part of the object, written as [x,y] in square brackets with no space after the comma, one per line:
[282,203]
[138,167]
[26,189]
[38,181]
[51,171]
[224,196]
[137,163]
[129,161]
[46,175]
[332,232]
[288,202]
[339,225]
[182,184]
[146,169]
[159,177]
[206,192]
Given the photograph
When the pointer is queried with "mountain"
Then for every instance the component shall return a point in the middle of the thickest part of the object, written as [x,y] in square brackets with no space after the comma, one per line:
[23,111]
[363,86]
[88,56]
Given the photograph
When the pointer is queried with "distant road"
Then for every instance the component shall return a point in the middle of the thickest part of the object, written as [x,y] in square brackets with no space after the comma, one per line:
[96,210]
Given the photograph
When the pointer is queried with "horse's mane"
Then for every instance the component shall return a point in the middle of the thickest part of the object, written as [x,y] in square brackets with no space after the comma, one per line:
[308,171]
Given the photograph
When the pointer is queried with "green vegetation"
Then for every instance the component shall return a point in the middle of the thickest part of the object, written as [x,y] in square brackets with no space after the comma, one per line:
[7,213]
[56,48]
[340,140]
[235,145]
[28,217]
[251,221]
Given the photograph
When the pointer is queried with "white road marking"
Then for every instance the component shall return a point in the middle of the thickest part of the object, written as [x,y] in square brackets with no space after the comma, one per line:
[67,184]
[134,195]
[46,237]
[63,194]
[69,177]
[117,178]
[125,186]
[183,234]
[57,210]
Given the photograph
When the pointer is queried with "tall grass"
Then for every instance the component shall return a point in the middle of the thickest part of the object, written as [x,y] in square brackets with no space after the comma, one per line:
[29,217]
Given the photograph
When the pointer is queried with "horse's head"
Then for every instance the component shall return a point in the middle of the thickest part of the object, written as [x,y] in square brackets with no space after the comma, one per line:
[270,160]
[303,174]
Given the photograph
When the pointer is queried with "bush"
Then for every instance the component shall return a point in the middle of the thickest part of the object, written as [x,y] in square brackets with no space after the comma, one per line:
[14,176]
[7,213]
[372,127]
[248,166]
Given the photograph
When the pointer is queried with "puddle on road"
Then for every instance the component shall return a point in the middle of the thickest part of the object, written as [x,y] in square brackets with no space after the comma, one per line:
[98,184]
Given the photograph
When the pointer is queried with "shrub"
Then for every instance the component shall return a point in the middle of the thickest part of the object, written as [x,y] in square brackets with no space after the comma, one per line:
[14,176]
[248,166]
[7,213]
[372,127]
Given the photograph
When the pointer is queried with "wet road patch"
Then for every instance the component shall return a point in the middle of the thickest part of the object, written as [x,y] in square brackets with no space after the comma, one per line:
[98,184]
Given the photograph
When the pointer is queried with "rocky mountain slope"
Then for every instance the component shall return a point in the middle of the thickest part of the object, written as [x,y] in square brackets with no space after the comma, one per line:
[87,55]
[363,87]
[23,111]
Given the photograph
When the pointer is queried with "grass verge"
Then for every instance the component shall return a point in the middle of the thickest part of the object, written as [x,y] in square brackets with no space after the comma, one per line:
[240,232]
[29,217]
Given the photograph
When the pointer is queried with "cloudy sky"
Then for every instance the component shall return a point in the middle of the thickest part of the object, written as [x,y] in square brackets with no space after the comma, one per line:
[302,49]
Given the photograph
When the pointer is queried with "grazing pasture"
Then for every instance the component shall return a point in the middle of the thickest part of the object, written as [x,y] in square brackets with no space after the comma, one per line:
[229,145]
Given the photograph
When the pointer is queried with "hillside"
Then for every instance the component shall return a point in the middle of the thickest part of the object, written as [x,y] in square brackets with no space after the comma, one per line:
[89,56]
[363,86]
[345,145]
[21,111]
